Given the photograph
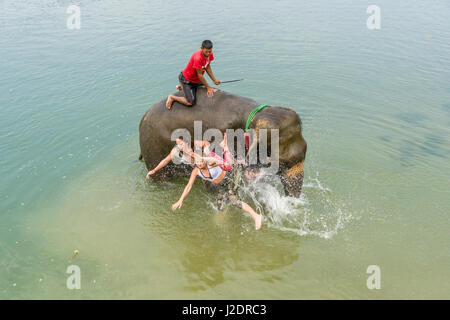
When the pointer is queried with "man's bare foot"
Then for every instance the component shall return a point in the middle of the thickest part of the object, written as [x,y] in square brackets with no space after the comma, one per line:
[169,102]
[258,222]
[179,88]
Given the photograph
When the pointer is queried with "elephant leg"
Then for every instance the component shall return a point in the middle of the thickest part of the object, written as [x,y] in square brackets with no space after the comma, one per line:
[292,179]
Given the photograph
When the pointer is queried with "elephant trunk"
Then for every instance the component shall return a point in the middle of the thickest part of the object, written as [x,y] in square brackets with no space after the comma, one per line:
[292,179]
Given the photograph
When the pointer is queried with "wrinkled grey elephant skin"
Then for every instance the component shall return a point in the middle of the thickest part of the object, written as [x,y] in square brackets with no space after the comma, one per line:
[223,111]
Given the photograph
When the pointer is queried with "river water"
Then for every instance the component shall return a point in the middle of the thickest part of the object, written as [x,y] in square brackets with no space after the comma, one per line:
[375,107]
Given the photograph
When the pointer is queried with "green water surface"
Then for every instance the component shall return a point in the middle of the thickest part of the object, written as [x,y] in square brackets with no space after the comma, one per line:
[375,107]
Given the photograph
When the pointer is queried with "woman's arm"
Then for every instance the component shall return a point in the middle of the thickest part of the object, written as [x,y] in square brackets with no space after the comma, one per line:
[162,164]
[188,187]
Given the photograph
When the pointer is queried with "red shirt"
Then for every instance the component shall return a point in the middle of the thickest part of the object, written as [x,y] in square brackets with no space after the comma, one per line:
[197,61]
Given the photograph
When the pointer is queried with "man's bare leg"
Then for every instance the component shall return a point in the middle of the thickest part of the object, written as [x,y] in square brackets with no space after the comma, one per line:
[171,98]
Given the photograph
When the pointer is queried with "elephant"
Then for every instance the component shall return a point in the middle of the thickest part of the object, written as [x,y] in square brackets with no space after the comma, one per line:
[223,111]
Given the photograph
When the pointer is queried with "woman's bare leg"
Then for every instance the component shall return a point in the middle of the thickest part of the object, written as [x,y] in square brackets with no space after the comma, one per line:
[256,217]
[224,144]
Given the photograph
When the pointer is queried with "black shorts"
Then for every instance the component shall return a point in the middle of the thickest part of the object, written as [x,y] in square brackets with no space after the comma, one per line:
[189,88]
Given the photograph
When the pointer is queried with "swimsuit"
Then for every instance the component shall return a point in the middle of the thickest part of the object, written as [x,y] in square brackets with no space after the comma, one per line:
[214,173]
[182,160]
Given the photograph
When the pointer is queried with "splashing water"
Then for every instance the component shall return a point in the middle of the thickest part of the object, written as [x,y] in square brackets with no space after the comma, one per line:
[317,212]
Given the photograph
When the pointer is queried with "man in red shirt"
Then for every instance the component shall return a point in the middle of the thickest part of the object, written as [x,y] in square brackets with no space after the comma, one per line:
[192,76]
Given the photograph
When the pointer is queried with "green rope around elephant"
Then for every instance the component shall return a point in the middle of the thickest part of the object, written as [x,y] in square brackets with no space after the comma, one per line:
[252,114]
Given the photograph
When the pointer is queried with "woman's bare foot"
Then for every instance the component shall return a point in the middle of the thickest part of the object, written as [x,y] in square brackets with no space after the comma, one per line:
[179,88]
[258,222]
[223,144]
[169,102]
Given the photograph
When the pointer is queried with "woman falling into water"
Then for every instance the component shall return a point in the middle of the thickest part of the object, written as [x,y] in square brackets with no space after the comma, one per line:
[217,170]
[183,152]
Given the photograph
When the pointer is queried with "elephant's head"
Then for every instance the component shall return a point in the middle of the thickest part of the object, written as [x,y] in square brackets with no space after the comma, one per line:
[292,146]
